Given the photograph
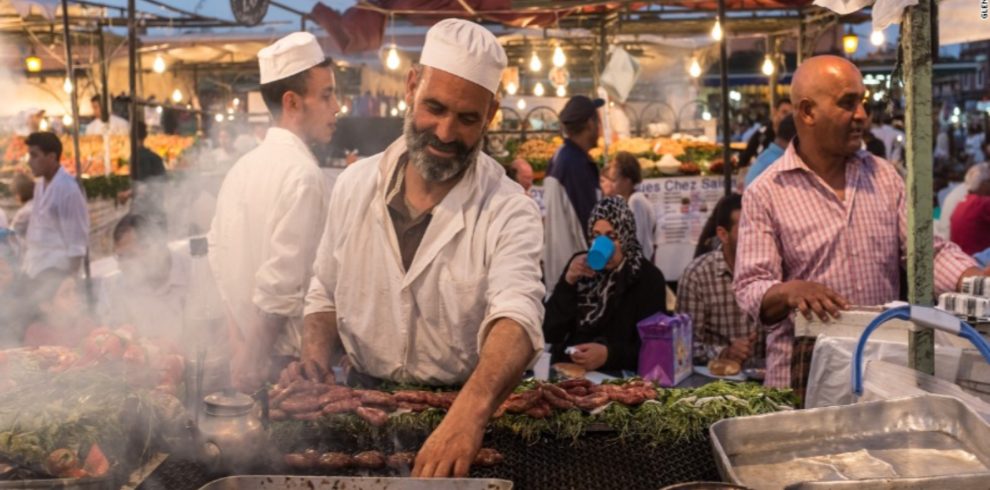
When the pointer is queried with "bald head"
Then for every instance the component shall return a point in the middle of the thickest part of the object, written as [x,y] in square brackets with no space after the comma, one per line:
[827,92]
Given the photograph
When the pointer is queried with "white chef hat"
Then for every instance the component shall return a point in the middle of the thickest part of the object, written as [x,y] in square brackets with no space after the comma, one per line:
[288,56]
[465,49]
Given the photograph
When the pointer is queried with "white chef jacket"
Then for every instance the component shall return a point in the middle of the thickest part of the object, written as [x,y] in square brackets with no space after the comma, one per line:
[478,262]
[270,214]
[116,125]
[59,229]
[646,222]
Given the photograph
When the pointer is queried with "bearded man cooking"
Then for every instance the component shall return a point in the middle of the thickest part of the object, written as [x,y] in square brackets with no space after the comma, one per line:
[428,269]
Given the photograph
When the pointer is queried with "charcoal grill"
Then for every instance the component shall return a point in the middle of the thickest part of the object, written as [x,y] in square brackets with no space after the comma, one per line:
[596,460]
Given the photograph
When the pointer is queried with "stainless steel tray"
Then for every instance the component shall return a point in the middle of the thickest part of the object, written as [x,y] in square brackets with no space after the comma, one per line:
[61,483]
[283,482]
[930,439]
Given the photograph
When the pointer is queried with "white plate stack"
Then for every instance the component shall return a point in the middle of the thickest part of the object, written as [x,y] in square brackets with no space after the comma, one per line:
[973,302]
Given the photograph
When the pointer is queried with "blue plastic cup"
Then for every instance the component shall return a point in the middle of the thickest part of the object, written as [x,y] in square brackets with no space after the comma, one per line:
[600,253]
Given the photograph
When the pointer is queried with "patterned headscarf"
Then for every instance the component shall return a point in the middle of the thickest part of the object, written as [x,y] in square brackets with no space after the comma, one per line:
[596,295]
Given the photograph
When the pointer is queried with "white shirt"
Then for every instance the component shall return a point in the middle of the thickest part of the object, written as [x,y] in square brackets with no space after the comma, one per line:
[270,214]
[893,141]
[646,222]
[563,233]
[59,228]
[116,125]
[153,311]
[478,262]
[22,218]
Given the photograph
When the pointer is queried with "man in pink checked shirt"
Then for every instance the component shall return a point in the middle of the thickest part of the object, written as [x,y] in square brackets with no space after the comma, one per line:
[825,226]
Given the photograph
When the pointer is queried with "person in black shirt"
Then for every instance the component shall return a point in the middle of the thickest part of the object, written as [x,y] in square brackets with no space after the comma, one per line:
[148,175]
[595,313]
[762,138]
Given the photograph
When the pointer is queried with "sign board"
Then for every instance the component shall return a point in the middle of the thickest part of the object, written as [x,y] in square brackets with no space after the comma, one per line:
[249,12]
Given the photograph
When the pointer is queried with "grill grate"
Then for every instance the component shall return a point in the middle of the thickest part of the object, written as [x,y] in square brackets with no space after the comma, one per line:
[597,460]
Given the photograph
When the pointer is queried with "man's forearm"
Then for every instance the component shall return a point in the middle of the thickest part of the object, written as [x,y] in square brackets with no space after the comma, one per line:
[319,338]
[774,307]
[504,357]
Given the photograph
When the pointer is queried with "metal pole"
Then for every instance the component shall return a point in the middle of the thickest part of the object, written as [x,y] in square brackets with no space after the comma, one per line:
[723,63]
[772,52]
[917,49]
[74,103]
[802,33]
[132,85]
[104,76]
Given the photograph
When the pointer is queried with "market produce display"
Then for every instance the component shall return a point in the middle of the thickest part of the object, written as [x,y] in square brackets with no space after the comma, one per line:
[86,412]
[91,151]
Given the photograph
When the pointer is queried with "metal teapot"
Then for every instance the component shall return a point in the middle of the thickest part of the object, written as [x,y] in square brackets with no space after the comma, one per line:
[230,435]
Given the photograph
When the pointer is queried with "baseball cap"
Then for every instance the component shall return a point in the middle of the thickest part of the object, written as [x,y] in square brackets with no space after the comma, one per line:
[579,108]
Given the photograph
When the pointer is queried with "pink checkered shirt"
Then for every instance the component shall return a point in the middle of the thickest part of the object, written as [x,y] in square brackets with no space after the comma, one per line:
[794,226]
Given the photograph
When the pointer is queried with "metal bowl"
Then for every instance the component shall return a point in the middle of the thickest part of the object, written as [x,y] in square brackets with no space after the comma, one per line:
[705,485]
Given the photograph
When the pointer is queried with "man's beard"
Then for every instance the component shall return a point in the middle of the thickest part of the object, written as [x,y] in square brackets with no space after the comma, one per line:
[431,167]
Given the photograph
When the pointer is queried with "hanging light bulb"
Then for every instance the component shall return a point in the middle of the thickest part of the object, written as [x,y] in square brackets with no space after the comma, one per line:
[67,86]
[717,31]
[511,88]
[33,64]
[534,63]
[394,112]
[877,38]
[538,89]
[707,116]
[559,58]
[158,109]
[695,69]
[392,60]
[344,109]
[561,91]
[403,106]
[230,117]
[177,96]
[67,120]
[43,125]
[768,67]
[218,118]
[850,42]
[158,66]
[521,105]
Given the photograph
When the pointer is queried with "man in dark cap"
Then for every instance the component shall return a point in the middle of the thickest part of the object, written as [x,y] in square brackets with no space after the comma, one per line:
[570,187]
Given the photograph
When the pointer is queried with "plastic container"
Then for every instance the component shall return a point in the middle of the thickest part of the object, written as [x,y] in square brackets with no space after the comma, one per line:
[601,251]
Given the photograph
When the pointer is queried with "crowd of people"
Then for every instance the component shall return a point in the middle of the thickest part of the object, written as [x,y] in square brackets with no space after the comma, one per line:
[426,264]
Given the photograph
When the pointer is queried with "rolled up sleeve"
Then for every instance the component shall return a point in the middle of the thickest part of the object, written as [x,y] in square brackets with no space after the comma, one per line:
[515,290]
[283,279]
[758,258]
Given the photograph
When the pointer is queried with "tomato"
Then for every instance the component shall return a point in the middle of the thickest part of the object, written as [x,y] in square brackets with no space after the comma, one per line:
[62,461]
[104,345]
[126,332]
[135,355]
[96,463]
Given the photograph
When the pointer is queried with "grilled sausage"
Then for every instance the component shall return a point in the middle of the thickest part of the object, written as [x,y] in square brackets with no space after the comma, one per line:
[336,394]
[296,461]
[557,402]
[401,461]
[413,407]
[371,397]
[488,457]
[373,416]
[308,416]
[371,460]
[301,403]
[277,415]
[539,411]
[578,391]
[313,371]
[335,461]
[592,401]
[575,383]
[345,405]
[411,396]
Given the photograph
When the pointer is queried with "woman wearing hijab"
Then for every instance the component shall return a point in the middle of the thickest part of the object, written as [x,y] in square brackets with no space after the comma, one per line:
[593,315]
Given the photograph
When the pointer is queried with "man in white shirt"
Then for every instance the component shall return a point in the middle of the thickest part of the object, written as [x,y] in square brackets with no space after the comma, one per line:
[149,292]
[112,125]
[59,231]
[428,271]
[271,210]
[893,139]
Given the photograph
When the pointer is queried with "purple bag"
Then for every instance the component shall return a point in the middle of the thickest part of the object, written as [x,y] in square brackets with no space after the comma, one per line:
[666,355]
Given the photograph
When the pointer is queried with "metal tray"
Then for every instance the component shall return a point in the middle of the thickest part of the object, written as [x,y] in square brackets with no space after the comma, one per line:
[283,482]
[930,439]
[103,483]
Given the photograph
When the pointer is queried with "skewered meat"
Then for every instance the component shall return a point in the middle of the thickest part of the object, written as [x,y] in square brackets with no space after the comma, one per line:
[630,398]
[401,461]
[371,460]
[442,401]
[558,402]
[411,396]
[539,411]
[592,401]
[578,391]
[371,397]
[335,461]
[575,383]
[301,403]
[345,405]
[296,461]
[488,457]
[413,407]
[336,394]
[308,416]
[520,402]
[373,416]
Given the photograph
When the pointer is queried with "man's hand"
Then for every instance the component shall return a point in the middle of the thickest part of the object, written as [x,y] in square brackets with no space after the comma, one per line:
[450,449]
[972,271]
[590,356]
[578,269]
[739,350]
[810,298]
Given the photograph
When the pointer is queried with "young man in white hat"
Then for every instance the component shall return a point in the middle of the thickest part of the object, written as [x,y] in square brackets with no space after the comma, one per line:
[428,269]
[271,210]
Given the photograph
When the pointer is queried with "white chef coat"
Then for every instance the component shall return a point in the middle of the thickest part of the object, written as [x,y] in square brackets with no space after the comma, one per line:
[646,222]
[116,125]
[478,262]
[59,229]
[564,233]
[153,311]
[270,214]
